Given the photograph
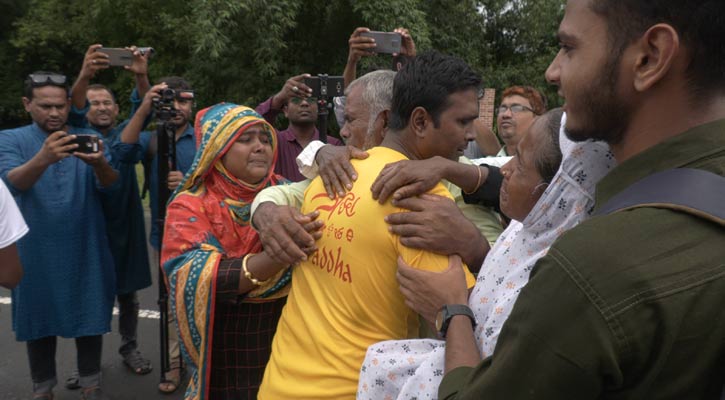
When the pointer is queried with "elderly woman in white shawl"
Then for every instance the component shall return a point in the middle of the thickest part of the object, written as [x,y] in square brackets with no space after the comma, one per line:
[541,208]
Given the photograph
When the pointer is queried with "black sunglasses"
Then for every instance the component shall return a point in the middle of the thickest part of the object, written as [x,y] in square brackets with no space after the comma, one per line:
[47,79]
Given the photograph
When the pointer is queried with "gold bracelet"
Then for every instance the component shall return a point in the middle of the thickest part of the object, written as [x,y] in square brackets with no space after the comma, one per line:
[248,275]
[478,183]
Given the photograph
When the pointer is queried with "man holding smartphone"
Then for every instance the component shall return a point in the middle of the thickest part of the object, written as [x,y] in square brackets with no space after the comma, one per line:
[94,106]
[69,281]
[296,102]
[362,43]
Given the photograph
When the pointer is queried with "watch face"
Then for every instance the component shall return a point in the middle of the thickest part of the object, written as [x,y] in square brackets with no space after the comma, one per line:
[439,320]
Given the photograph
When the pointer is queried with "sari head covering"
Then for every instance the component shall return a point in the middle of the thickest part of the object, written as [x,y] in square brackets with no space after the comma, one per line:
[208,220]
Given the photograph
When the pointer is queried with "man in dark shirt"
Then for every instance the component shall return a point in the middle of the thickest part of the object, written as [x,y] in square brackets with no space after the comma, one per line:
[627,305]
[294,99]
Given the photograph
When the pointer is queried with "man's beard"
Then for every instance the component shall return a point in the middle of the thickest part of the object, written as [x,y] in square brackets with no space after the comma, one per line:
[604,116]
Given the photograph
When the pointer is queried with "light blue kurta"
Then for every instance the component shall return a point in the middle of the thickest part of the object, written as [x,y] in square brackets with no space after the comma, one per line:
[69,283]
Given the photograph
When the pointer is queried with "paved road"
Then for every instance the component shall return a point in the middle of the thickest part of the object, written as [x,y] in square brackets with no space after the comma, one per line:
[119,383]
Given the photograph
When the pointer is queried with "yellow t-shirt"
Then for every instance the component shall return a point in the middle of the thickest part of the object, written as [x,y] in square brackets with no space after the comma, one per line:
[345,297]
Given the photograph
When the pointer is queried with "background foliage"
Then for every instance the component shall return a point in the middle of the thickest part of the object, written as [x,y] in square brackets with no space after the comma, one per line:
[244,50]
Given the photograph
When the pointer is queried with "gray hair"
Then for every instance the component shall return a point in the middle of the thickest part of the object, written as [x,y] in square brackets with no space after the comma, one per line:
[549,155]
[377,91]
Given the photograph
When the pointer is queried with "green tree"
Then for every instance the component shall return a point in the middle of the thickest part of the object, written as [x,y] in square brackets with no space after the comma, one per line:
[243,50]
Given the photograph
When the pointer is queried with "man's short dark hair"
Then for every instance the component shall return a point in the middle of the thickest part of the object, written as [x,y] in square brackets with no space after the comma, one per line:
[698,22]
[98,86]
[29,85]
[176,83]
[427,81]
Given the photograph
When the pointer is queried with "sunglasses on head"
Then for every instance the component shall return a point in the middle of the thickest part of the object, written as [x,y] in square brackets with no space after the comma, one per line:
[46,79]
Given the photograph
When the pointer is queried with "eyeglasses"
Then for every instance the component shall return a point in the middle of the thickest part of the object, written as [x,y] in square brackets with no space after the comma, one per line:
[515,109]
[298,100]
[47,79]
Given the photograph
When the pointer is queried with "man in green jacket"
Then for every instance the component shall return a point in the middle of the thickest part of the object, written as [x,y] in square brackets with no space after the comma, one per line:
[627,305]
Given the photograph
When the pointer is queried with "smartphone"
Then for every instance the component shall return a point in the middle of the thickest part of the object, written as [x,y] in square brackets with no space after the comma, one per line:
[385,42]
[87,144]
[117,57]
[326,86]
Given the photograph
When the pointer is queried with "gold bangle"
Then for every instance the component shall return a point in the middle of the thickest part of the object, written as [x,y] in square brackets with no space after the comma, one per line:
[248,275]
[478,182]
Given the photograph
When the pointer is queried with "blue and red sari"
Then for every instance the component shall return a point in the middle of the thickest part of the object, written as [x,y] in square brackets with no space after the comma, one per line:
[225,336]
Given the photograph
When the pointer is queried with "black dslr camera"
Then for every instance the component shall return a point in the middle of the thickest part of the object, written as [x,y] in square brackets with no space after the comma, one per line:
[164,104]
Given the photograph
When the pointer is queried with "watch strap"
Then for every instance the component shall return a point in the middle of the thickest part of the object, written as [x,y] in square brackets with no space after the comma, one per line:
[450,311]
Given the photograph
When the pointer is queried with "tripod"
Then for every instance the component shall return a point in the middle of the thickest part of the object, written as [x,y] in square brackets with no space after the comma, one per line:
[166,136]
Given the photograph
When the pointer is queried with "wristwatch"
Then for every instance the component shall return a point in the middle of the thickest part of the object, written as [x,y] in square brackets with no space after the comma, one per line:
[448,311]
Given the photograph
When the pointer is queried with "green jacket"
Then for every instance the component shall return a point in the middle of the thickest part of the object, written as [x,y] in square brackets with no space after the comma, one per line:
[624,306]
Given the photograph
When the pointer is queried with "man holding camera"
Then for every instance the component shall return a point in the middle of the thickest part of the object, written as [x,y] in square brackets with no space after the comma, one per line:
[174,98]
[299,105]
[135,145]
[95,107]
[69,281]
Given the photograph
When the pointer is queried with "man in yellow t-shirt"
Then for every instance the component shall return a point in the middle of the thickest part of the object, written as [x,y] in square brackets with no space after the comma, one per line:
[345,296]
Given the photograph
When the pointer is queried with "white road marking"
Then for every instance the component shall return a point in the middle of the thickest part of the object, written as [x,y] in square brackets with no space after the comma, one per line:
[150,314]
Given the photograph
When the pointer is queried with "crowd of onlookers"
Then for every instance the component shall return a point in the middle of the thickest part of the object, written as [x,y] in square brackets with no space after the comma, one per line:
[576,252]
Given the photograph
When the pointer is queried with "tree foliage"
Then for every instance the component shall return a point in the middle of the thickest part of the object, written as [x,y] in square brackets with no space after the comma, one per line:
[243,50]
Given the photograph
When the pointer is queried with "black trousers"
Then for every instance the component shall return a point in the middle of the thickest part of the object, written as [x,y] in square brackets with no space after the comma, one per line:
[41,353]
[127,321]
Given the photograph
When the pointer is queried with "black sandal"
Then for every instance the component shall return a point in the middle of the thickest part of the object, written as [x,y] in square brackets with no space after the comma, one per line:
[136,363]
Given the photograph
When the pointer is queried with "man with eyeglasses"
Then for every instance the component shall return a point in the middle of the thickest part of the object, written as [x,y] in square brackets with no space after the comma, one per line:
[519,106]
[69,282]
[94,106]
[296,102]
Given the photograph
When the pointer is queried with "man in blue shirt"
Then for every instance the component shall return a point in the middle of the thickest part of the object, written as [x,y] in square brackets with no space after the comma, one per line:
[69,280]
[94,106]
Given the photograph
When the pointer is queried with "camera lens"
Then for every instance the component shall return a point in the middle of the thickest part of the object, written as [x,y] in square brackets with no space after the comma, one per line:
[168,95]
